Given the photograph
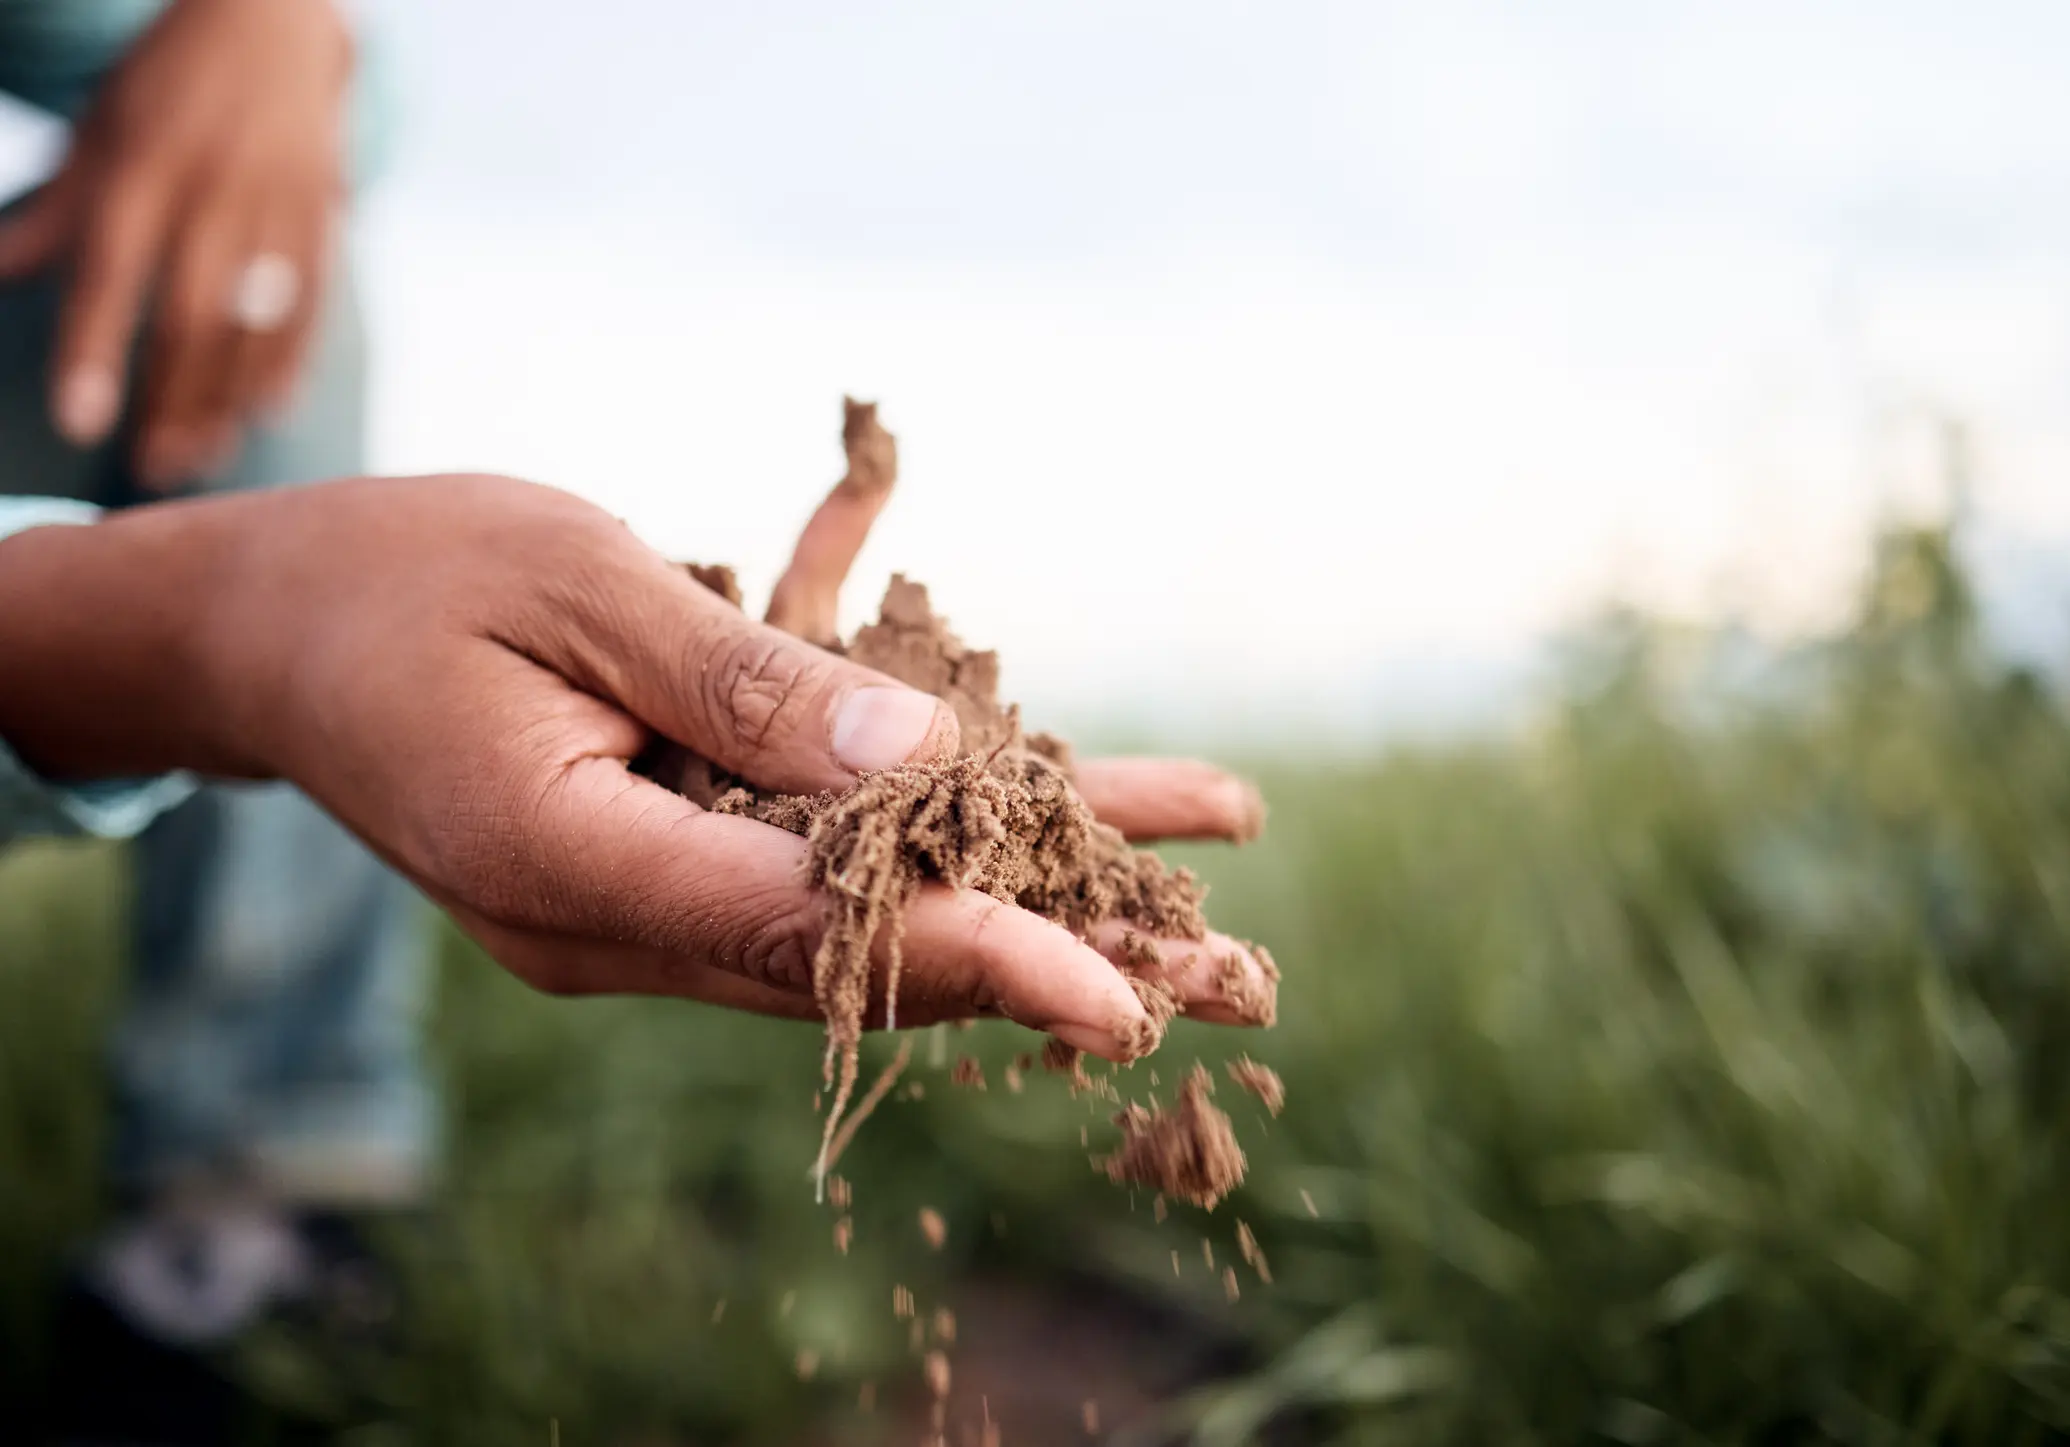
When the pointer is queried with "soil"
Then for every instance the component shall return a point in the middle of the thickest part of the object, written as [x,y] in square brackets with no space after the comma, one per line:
[1253,1254]
[1004,819]
[1187,1150]
[1260,1080]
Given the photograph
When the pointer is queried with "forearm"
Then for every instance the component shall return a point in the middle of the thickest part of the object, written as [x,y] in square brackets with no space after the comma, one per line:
[105,664]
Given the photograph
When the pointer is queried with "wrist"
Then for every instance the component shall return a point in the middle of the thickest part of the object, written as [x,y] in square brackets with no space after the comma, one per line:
[112,664]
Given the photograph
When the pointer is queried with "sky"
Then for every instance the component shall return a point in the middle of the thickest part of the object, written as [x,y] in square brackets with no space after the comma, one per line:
[1292,368]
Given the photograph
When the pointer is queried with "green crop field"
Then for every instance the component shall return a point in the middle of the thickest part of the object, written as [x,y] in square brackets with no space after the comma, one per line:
[1686,1064]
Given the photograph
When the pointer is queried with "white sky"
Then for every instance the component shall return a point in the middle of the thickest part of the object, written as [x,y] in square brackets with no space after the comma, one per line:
[1305,361]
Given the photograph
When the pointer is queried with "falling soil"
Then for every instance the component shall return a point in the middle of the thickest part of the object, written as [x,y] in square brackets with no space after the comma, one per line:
[1261,1081]
[1187,1150]
[1004,819]
[1253,1254]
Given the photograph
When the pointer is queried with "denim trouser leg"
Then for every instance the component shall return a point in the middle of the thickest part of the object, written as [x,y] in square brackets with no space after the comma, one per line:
[270,1034]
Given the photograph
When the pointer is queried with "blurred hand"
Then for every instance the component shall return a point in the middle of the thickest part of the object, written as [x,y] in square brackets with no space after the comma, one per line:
[203,183]
[462,670]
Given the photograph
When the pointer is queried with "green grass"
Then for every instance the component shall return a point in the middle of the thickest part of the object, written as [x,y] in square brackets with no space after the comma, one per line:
[1686,1066]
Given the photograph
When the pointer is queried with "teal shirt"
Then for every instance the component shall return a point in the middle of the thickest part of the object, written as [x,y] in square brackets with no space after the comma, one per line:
[105,808]
[54,53]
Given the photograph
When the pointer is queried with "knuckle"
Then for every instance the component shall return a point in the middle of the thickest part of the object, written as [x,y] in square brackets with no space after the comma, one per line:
[477,848]
[752,687]
[190,312]
[775,942]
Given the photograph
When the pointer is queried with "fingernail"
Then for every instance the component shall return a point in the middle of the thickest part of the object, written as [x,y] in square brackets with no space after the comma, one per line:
[86,403]
[878,728]
[1250,811]
[1103,1043]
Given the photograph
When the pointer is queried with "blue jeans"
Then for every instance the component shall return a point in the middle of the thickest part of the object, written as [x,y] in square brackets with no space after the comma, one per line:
[270,1036]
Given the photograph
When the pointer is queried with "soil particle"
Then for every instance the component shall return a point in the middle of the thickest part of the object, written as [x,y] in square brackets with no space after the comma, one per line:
[1207,1252]
[1012,1076]
[1260,1080]
[1061,1059]
[1175,1261]
[1308,1204]
[902,1302]
[1158,1210]
[1229,1286]
[1187,1151]
[1138,954]
[717,577]
[1253,1254]
[933,1227]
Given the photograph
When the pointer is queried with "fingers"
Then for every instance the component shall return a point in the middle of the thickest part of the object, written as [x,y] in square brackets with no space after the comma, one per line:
[1170,799]
[117,251]
[1216,979]
[613,885]
[807,597]
[754,700]
[34,237]
[193,345]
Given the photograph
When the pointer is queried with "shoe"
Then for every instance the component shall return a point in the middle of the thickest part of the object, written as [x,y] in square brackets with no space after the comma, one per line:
[114,1385]
[151,1331]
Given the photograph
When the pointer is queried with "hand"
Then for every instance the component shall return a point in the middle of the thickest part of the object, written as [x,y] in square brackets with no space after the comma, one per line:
[462,670]
[216,143]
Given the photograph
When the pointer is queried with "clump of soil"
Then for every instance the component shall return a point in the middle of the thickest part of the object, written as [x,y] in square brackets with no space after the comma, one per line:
[1187,1150]
[1004,818]
[1260,1080]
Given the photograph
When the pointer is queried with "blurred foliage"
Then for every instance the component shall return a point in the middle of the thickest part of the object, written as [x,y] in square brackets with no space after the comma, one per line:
[1687,1065]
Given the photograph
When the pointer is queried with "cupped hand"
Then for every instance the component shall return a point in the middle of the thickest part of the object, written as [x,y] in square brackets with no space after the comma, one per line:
[463,671]
[202,187]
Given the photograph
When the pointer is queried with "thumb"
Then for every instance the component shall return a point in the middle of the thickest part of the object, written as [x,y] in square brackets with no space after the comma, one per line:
[35,232]
[752,699]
